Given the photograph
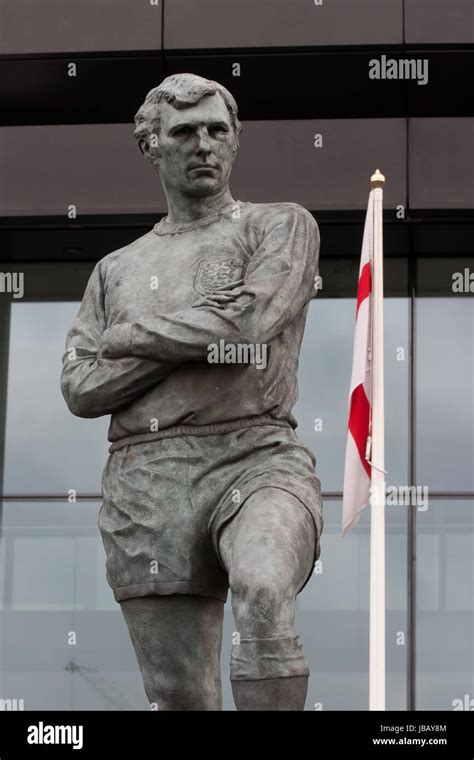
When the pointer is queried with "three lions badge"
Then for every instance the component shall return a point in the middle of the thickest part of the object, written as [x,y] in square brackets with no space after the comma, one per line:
[212,275]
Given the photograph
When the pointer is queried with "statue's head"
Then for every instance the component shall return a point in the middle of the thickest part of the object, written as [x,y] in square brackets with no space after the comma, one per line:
[189,129]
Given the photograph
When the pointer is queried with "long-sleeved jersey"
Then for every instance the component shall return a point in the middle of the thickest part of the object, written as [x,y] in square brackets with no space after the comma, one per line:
[196,327]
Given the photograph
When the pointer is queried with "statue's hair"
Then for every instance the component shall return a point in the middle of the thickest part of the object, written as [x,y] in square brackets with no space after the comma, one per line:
[181,91]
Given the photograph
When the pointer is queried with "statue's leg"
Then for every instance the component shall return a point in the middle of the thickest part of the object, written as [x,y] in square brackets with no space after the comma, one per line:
[268,550]
[177,640]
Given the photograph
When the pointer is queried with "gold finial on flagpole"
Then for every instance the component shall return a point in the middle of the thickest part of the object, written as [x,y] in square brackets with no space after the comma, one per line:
[377,179]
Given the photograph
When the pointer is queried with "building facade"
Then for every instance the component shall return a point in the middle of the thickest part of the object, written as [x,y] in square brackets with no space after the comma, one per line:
[316,124]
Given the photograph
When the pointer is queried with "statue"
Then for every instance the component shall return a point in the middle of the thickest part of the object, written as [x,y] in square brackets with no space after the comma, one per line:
[189,338]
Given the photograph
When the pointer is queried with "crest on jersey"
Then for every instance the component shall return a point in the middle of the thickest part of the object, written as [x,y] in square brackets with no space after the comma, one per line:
[212,275]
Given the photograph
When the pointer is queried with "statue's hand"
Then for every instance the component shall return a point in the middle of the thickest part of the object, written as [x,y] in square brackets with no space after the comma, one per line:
[115,341]
[218,299]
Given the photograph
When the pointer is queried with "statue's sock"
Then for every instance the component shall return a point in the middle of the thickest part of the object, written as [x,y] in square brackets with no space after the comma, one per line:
[271,693]
[271,657]
[269,673]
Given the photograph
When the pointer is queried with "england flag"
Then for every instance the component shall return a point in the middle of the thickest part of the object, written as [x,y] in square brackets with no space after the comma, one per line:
[357,471]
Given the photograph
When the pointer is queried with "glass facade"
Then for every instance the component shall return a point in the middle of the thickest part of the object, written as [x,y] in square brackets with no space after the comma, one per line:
[58,451]
[64,644]
[317,120]
[445,614]
[444,463]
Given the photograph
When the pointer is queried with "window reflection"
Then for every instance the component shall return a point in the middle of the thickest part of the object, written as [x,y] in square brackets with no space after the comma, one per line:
[48,450]
[444,377]
[65,645]
[324,378]
[52,562]
[445,619]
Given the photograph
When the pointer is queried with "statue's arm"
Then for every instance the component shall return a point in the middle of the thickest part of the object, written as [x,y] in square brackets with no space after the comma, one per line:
[91,384]
[278,284]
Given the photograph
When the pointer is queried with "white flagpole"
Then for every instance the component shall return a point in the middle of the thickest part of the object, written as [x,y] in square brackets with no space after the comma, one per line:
[378,490]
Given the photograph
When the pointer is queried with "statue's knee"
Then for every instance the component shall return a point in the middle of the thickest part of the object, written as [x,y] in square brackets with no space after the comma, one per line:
[181,689]
[260,604]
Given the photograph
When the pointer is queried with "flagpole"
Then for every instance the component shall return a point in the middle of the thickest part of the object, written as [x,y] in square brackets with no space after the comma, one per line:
[377,501]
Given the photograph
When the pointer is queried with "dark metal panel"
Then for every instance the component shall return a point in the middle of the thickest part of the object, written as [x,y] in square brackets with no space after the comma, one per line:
[104,89]
[442,163]
[55,26]
[246,23]
[437,21]
[97,168]
[279,162]
[281,84]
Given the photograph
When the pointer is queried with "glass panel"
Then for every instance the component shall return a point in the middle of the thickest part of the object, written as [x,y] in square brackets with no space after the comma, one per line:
[428,572]
[332,614]
[324,379]
[64,644]
[445,617]
[444,379]
[59,545]
[48,450]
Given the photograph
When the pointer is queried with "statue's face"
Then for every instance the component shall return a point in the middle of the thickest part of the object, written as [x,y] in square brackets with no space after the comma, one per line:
[196,147]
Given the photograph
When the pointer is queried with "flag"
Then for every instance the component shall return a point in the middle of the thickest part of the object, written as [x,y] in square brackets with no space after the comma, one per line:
[364,474]
[357,470]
